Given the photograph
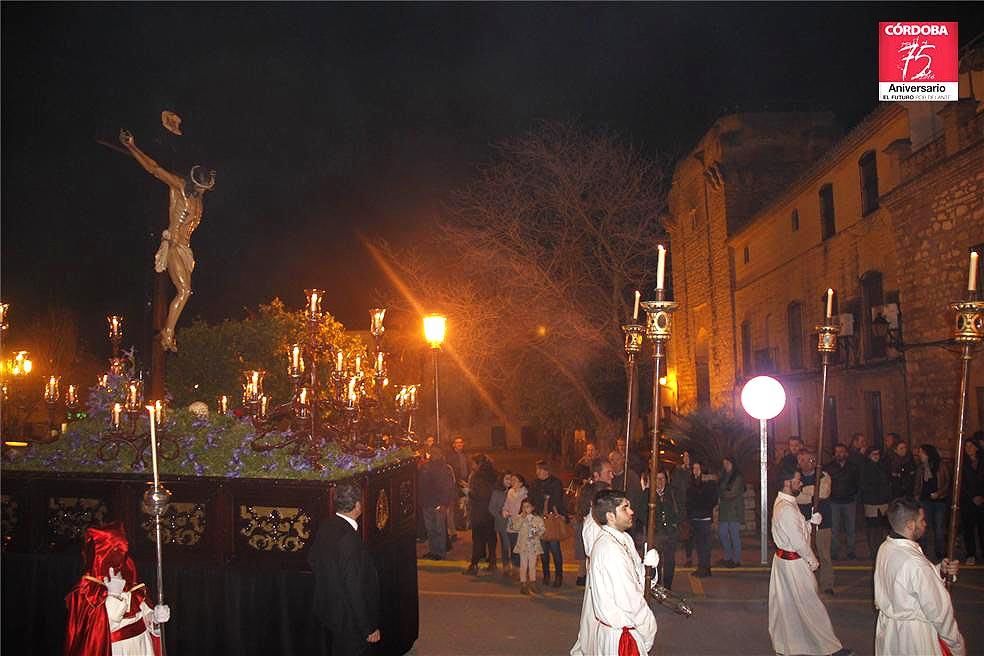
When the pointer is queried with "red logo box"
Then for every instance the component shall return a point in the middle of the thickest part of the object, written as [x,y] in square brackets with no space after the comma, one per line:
[917,61]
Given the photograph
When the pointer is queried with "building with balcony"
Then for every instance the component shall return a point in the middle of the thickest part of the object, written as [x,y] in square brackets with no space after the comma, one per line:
[769,210]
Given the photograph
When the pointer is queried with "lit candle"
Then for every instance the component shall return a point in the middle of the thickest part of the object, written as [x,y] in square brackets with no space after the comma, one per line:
[263,406]
[314,302]
[339,361]
[153,443]
[972,275]
[660,266]
[295,358]
[351,390]
[51,390]
[133,394]
[413,396]
[302,397]
[358,363]
[71,396]
[223,404]
[830,302]
[115,326]
[103,381]
[635,310]
[379,362]
[117,413]
[158,413]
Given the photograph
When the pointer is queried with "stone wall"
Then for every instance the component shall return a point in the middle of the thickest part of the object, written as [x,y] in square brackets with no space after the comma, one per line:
[938,215]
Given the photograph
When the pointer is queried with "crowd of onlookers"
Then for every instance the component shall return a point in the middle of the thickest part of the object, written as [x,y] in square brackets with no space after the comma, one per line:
[515,521]
[867,478]
[510,519]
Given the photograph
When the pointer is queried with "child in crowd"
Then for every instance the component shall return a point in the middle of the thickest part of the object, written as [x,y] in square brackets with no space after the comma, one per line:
[529,526]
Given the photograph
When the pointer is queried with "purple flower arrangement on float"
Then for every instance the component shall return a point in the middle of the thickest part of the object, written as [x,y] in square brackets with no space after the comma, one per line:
[215,445]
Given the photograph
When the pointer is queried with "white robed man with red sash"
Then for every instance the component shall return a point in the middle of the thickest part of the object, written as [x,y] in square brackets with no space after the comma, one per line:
[798,620]
[621,622]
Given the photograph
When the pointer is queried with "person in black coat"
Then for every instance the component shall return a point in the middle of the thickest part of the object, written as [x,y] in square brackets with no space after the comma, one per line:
[702,496]
[346,585]
[480,485]
[434,492]
[876,493]
[547,496]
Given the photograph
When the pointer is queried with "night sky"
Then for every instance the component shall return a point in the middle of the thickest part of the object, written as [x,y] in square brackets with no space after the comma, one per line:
[328,121]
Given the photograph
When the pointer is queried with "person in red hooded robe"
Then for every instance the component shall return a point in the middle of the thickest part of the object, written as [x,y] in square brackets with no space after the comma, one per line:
[108,611]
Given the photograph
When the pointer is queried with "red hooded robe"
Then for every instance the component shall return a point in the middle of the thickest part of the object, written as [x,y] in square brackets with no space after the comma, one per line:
[88,625]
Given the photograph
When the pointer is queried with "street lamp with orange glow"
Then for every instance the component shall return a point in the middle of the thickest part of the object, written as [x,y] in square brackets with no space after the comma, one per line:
[764,398]
[434,328]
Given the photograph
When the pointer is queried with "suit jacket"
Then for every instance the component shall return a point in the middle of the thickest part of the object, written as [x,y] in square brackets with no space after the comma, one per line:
[346,590]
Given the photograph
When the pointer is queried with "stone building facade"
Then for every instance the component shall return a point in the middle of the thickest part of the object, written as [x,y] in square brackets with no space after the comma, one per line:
[769,210]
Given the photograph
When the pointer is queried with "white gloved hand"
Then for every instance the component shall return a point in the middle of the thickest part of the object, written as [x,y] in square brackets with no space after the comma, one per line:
[114,583]
[162,613]
[651,559]
[813,565]
[816,519]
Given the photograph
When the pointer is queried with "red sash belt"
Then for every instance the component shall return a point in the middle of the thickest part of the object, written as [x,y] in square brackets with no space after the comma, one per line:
[626,643]
[128,631]
[787,555]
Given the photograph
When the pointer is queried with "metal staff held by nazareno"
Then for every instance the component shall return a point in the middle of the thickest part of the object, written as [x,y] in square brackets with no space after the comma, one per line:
[155,502]
[826,344]
[658,328]
[968,332]
[634,333]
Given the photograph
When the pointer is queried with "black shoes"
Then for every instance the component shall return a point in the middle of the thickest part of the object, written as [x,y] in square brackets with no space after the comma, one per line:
[471,570]
[702,573]
[558,581]
[431,556]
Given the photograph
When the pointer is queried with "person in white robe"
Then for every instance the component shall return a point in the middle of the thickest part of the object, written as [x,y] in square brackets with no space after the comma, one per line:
[915,613]
[798,620]
[619,613]
[589,533]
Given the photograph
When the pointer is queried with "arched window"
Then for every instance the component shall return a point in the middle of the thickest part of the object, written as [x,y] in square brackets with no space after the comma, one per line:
[868,173]
[794,326]
[746,348]
[872,298]
[828,226]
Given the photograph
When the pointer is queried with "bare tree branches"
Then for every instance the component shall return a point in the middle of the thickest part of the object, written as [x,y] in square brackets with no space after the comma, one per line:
[535,263]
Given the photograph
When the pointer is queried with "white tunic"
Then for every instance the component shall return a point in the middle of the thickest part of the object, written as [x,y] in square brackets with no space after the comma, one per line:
[616,580]
[914,607]
[139,645]
[589,533]
[798,620]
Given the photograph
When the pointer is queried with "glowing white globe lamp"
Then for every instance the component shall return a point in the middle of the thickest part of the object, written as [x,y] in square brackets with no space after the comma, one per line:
[763,397]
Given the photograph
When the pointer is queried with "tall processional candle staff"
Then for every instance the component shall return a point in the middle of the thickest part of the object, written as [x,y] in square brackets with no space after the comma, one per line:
[826,344]
[969,333]
[658,327]
[634,334]
[155,502]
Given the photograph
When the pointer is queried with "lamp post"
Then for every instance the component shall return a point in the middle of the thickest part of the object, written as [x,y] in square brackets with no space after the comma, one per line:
[763,397]
[434,327]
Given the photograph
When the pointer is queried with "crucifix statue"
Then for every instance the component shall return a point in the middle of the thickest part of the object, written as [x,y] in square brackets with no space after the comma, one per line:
[184,215]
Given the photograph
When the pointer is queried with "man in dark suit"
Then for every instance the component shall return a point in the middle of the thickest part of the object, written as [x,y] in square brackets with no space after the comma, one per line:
[346,591]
